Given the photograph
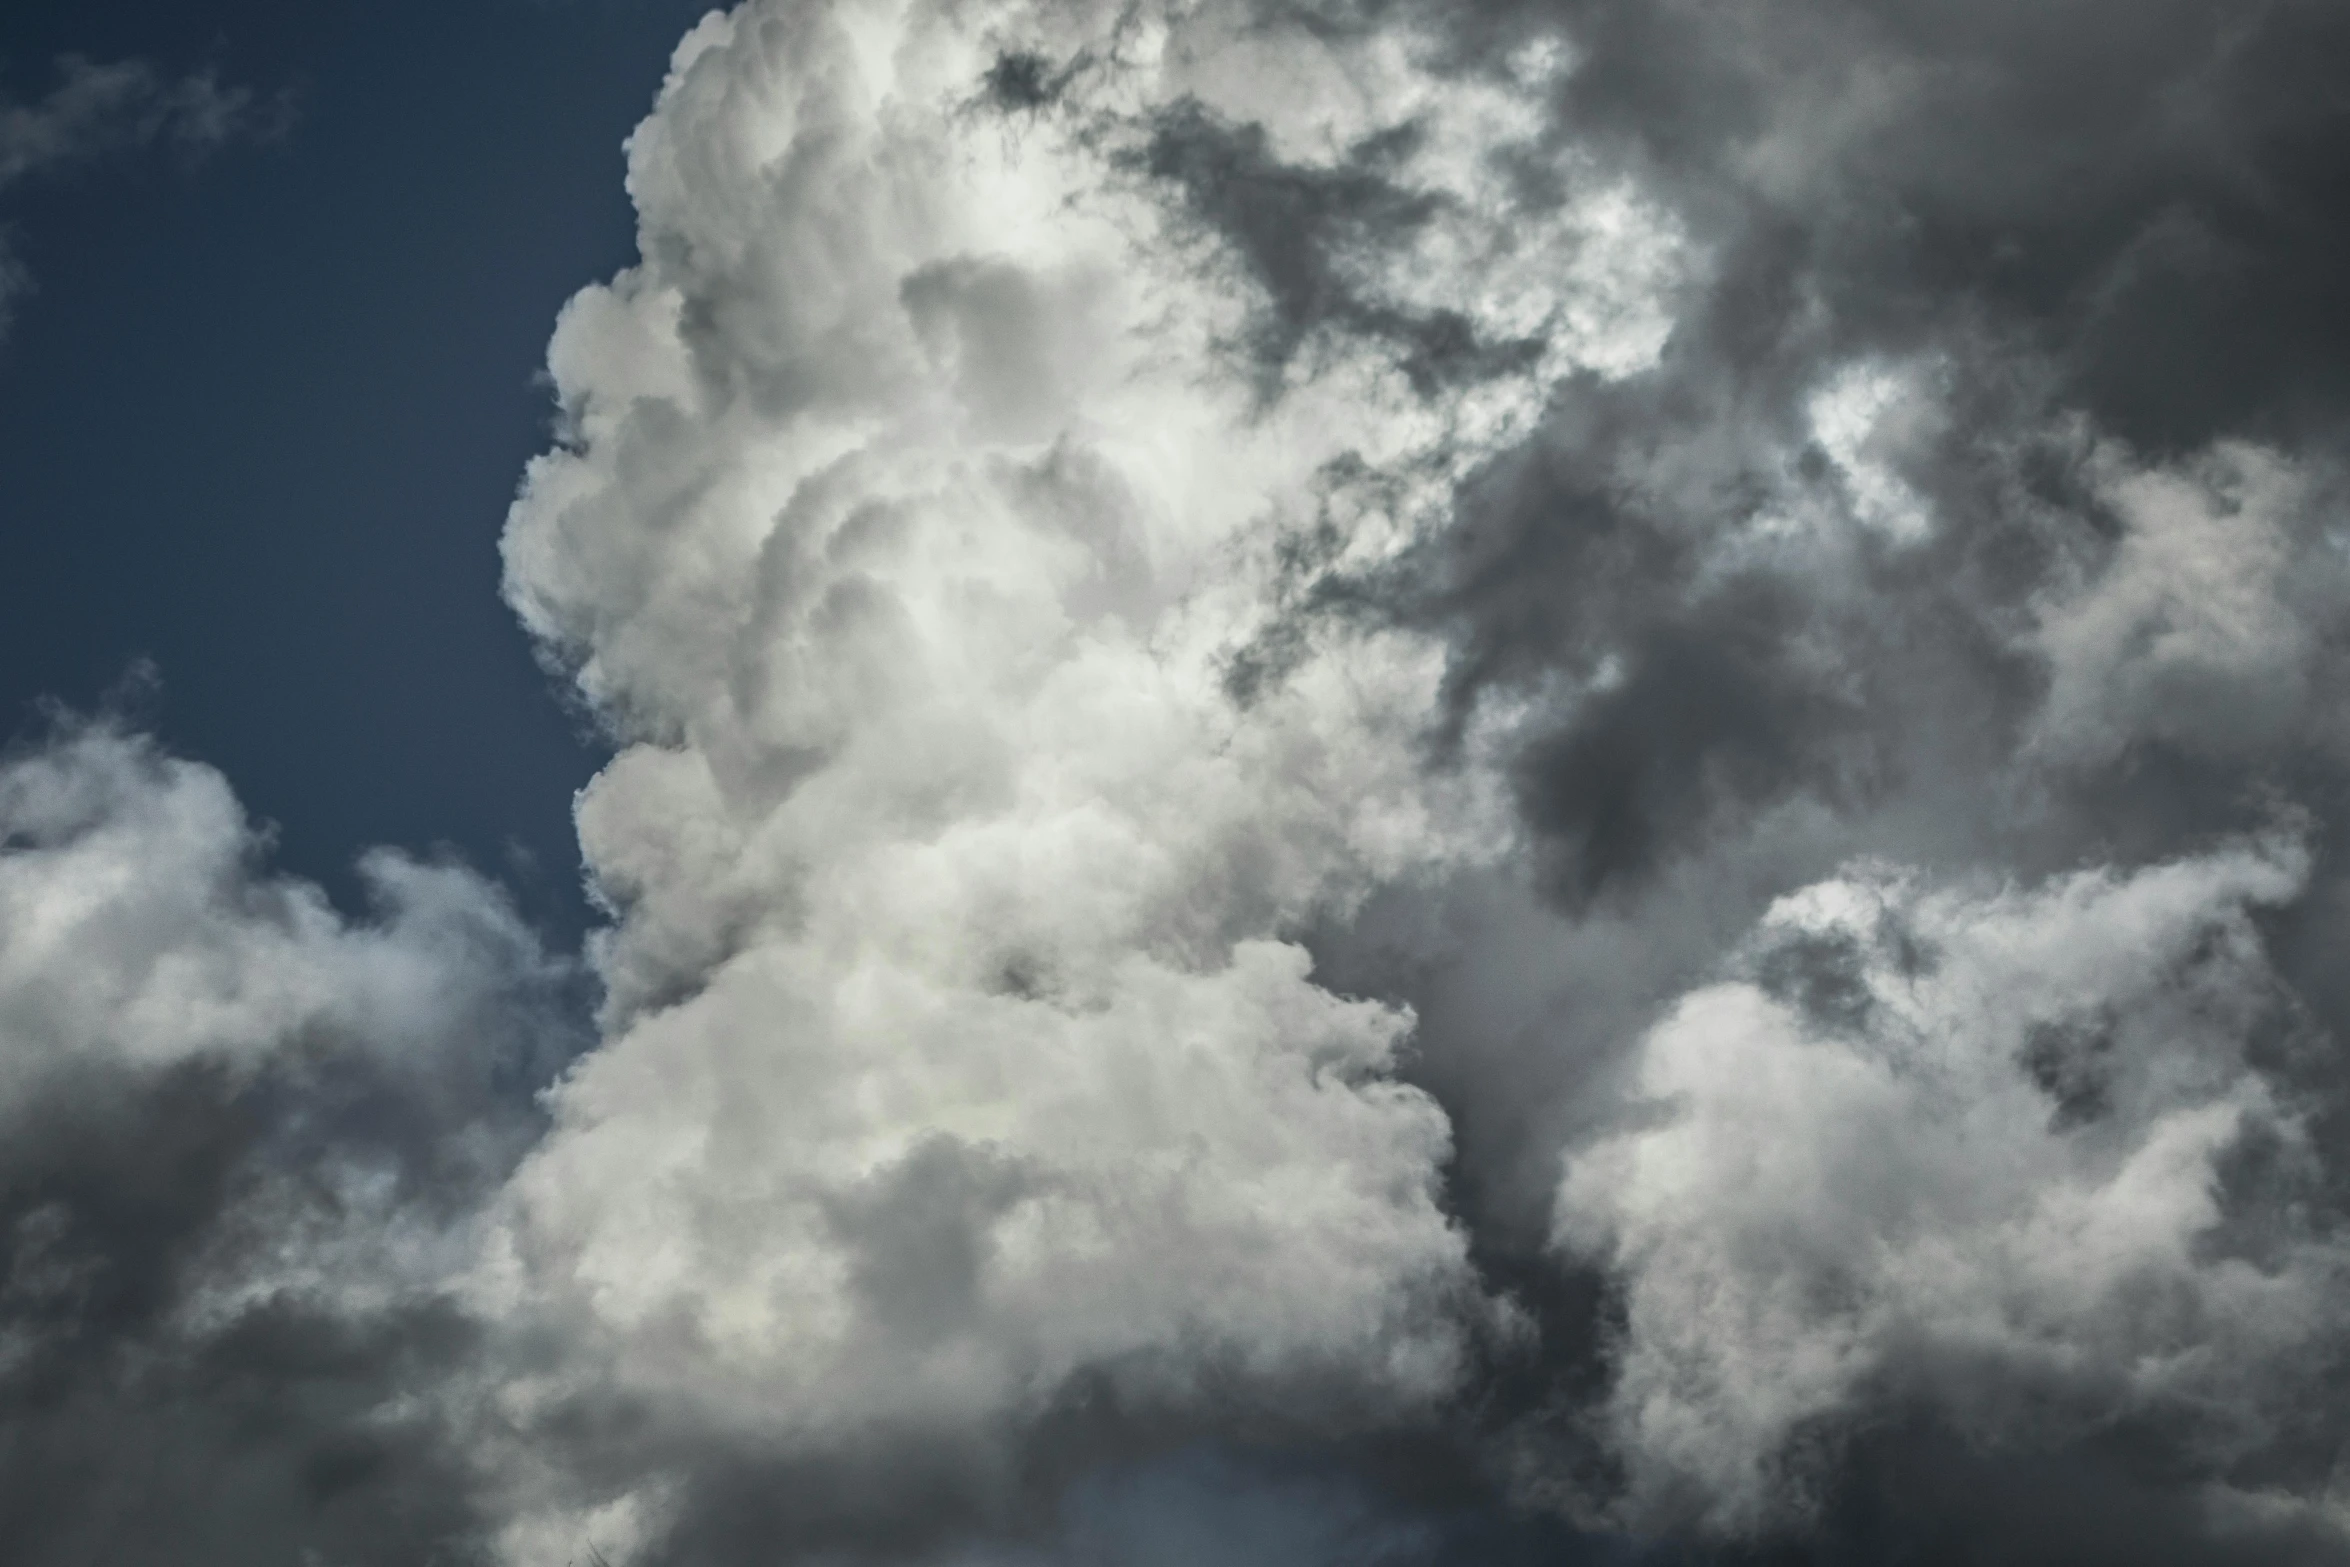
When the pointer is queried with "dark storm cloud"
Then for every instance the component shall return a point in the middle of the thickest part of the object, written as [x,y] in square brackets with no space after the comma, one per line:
[2037,199]
[2066,259]
[1290,229]
[136,1435]
[1097,1483]
[2152,192]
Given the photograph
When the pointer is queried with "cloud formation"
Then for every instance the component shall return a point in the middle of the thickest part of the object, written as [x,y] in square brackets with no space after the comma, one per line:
[240,1131]
[958,1043]
[2006,1155]
[98,111]
[1472,783]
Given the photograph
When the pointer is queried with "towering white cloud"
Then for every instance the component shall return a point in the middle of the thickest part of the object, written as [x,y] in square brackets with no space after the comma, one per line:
[920,502]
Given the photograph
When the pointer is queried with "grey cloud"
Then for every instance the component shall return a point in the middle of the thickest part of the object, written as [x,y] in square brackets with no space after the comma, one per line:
[100,109]
[1096,1495]
[1980,513]
[1974,1157]
[1290,229]
[236,1128]
[2146,188]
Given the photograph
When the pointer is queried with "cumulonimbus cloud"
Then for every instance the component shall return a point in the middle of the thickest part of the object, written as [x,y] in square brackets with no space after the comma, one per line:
[958,1039]
[1474,742]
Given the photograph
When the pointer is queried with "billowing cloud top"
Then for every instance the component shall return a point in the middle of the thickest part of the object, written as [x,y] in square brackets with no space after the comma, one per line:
[1388,785]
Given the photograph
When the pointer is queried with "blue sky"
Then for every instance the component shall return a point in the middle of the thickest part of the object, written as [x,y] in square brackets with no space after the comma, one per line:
[261,417]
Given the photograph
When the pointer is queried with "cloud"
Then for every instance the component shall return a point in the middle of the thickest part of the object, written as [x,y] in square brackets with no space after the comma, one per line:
[241,1133]
[100,109]
[2008,1155]
[97,111]
[2189,632]
[924,483]
[1974,516]
[1390,785]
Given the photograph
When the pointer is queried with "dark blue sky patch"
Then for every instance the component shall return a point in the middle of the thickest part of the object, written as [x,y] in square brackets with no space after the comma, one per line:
[262,414]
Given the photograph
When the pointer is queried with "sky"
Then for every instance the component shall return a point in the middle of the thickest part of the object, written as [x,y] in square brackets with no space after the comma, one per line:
[267,401]
[1082,783]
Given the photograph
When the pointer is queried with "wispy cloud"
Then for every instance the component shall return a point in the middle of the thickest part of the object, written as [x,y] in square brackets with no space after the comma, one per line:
[97,112]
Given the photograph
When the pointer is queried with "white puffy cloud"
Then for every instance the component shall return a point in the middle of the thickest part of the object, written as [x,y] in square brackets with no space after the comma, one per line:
[1983,1151]
[138,932]
[915,507]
